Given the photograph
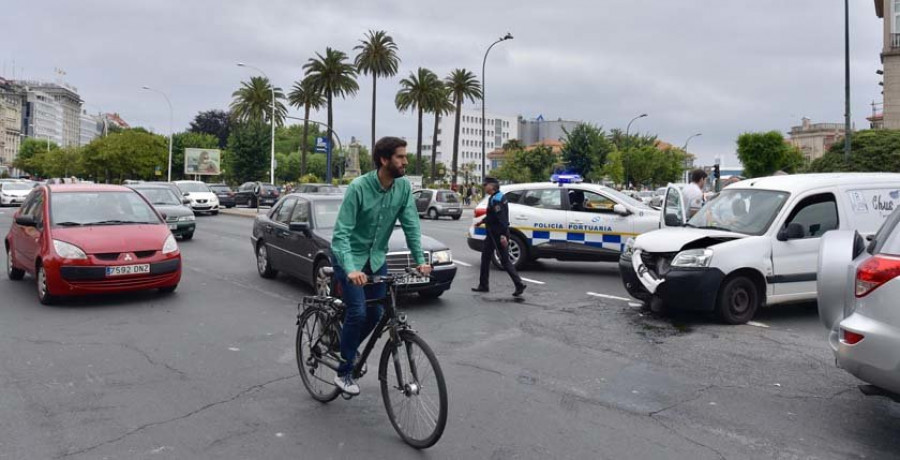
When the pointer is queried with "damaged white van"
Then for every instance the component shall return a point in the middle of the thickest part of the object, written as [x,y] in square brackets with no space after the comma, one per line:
[755,244]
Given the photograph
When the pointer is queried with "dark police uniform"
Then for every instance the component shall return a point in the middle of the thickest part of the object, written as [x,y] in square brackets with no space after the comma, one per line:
[497,222]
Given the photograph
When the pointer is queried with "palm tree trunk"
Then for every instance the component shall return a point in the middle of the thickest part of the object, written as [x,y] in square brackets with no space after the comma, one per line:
[434,141]
[456,140]
[329,148]
[304,143]
[374,81]
[419,145]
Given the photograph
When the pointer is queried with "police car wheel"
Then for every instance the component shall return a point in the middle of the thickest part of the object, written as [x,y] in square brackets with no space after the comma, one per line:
[518,253]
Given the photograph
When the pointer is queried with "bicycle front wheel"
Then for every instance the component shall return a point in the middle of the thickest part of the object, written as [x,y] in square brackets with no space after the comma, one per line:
[414,391]
[311,349]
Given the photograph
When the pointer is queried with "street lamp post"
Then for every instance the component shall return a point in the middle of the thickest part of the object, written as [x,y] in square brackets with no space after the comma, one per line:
[684,148]
[847,131]
[171,116]
[628,128]
[272,87]
[508,36]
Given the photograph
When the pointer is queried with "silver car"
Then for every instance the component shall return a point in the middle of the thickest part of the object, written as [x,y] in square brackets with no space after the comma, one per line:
[858,287]
[436,203]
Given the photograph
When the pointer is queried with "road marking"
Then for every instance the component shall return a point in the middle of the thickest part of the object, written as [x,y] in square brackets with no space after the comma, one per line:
[607,296]
[533,281]
[464,264]
[756,324]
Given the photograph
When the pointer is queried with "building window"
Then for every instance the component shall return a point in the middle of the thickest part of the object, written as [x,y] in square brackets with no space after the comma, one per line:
[896,4]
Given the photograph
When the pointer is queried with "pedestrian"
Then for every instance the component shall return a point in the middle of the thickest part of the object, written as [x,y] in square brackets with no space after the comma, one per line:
[468,194]
[693,192]
[497,238]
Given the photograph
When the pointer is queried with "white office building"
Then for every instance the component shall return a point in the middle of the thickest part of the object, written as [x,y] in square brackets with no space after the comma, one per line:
[91,128]
[44,117]
[499,130]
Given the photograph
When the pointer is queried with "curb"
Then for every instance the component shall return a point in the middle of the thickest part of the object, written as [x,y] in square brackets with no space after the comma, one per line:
[241,212]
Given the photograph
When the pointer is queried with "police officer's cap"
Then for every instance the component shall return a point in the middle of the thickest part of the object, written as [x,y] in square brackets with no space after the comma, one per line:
[491,180]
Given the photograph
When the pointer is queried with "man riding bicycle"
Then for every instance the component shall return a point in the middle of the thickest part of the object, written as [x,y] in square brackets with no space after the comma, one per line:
[372,204]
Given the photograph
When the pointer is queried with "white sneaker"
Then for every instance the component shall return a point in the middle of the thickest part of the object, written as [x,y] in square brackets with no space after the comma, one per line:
[346,384]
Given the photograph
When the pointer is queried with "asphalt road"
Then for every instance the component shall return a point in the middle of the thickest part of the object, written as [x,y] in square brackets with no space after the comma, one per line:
[209,372]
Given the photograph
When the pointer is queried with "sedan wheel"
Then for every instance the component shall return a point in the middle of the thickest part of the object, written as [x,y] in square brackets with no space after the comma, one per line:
[432,214]
[263,265]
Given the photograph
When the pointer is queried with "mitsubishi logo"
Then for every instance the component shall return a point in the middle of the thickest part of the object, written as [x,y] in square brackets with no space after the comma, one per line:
[128,258]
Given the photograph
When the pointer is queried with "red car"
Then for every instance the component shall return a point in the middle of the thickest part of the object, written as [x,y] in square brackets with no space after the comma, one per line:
[91,239]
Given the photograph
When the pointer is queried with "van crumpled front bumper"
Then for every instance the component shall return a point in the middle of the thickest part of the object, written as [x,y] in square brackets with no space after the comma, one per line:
[693,289]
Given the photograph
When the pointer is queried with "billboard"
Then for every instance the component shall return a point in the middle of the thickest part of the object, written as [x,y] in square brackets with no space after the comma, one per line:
[202,162]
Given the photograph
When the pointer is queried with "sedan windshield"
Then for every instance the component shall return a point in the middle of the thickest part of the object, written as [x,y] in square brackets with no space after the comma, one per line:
[741,211]
[159,196]
[193,187]
[16,186]
[100,208]
[326,213]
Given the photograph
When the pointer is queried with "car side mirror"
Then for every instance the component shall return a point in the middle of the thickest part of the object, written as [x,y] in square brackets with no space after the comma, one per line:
[185,201]
[185,194]
[299,227]
[26,220]
[672,220]
[620,210]
[793,231]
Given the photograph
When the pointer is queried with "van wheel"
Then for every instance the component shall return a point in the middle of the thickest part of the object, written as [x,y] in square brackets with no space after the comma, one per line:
[738,300]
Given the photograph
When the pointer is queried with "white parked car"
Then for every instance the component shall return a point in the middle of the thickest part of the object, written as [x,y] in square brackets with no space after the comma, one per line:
[755,244]
[859,284]
[14,193]
[202,199]
[567,220]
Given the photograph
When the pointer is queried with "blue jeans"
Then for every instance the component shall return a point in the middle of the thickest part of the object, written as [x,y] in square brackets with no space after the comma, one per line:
[359,319]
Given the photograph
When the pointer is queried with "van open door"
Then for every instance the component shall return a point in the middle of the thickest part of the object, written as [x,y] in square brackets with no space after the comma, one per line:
[674,208]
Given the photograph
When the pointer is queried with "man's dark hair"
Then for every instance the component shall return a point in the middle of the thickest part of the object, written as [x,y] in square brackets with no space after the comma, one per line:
[385,148]
[697,175]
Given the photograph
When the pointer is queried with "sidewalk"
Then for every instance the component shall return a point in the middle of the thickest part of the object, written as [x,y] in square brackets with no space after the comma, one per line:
[243,212]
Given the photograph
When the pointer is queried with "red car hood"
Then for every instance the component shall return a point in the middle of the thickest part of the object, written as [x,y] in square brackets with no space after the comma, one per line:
[114,238]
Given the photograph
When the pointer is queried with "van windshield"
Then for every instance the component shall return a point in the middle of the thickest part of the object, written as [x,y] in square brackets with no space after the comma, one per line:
[741,211]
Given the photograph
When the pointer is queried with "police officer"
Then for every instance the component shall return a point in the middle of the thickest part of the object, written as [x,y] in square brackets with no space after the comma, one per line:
[497,222]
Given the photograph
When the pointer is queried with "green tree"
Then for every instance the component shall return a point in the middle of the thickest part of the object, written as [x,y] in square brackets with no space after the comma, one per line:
[416,92]
[377,57]
[333,76]
[253,101]
[528,165]
[305,95]
[439,105]
[288,166]
[585,149]
[215,122]
[129,154]
[317,165]
[463,85]
[622,141]
[64,162]
[187,140]
[764,153]
[870,151]
[249,151]
[29,159]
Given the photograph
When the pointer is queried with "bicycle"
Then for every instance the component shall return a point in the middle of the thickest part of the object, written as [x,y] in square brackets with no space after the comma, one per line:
[418,416]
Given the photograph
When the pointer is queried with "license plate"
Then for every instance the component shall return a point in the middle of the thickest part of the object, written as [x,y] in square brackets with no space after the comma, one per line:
[415,280]
[173,226]
[454,209]
[128,270]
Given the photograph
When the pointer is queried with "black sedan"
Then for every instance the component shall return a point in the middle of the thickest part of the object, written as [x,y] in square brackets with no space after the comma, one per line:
[295,238]
[178,217]
[224,194]
[256,194]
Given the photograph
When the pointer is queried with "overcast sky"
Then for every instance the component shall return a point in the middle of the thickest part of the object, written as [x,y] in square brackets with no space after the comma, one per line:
[717,67]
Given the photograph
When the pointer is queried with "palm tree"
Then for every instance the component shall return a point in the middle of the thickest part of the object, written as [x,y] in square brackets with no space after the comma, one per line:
[305,95]
[440,105]
[462,85]
[332,76]
[416,93]
[377,56]
[253,101]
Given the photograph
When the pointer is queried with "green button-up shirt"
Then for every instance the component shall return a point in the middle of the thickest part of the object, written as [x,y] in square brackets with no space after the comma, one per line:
[366,221]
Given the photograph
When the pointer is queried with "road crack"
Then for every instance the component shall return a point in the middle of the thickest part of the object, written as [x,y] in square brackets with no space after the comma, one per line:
[175,419]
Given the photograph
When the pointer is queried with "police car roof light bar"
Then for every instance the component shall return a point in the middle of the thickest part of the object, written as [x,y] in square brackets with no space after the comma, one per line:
[566,179]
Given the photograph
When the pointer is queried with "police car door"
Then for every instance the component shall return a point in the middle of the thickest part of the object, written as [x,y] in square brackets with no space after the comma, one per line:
[541,218]
[674,208]
[594,227]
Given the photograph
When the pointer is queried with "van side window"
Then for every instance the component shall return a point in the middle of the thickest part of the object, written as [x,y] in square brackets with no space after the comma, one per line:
[673,206]
[817,214]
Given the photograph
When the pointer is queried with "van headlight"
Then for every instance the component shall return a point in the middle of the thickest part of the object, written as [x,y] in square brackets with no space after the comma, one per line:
[441,258]
[629,246]
[170,245]
[693,258]
[68,250]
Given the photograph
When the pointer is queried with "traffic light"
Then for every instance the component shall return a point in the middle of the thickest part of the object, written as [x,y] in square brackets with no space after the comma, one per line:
[716,172]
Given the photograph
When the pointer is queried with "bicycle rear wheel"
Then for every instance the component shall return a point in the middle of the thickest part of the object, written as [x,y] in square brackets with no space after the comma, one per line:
[317,377]
[416,401]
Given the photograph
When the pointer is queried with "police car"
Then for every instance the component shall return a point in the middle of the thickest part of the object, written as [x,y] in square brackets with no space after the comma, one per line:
[566,219]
